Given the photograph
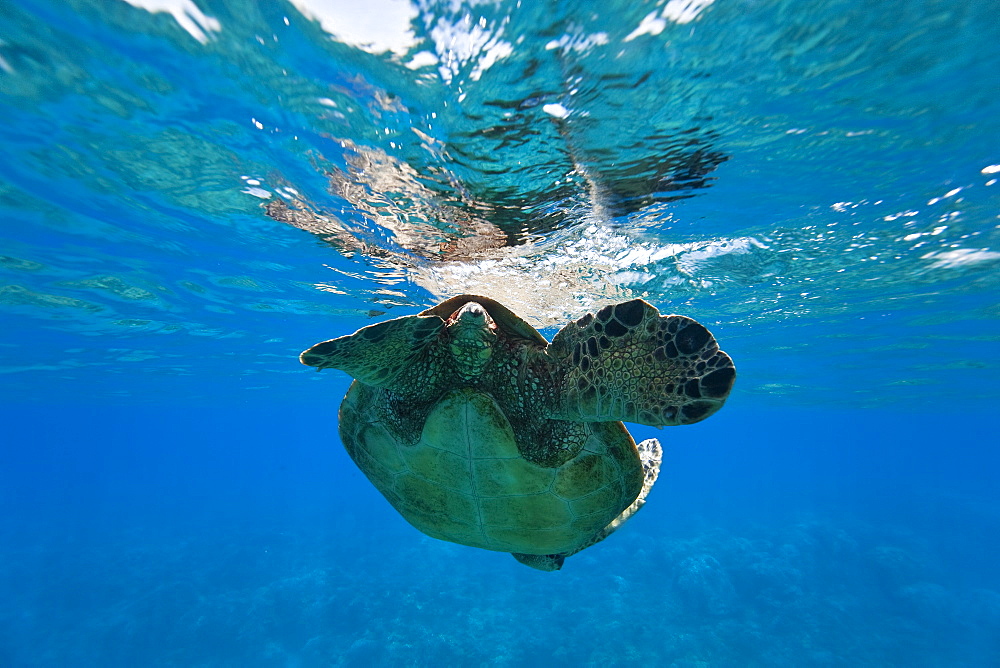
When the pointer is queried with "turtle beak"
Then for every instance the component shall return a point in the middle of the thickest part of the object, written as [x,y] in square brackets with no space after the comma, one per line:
[470,315]
[472,336]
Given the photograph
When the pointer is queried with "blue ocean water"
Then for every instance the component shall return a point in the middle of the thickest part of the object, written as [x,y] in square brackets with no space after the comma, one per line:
[191,193]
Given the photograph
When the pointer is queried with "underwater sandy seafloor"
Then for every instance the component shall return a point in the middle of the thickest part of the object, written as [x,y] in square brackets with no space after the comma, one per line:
[811,593]
[256,558]
[191,197]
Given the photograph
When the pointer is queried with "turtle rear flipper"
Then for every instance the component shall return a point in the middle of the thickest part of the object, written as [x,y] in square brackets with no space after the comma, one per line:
[379,354]
[629,363]
[542,562]
[651,456]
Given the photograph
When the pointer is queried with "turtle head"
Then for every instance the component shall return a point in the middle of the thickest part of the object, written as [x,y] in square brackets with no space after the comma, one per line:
[472,334]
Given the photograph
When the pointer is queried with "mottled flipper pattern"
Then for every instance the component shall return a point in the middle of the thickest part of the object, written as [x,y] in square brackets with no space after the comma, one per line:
[629,363]
[480,432]
[387,354]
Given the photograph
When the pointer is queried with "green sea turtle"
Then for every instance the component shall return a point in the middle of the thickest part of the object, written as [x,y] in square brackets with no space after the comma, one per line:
[480,432]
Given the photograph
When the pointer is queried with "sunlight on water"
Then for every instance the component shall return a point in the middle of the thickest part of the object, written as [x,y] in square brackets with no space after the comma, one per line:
[193,170]
[186,13]
[194,191]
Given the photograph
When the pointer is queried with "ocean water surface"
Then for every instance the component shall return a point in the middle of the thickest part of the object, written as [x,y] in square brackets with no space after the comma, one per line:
[191,193]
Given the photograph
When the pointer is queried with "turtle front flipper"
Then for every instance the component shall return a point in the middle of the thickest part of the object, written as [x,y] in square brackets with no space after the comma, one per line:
[381,355]
[629,363]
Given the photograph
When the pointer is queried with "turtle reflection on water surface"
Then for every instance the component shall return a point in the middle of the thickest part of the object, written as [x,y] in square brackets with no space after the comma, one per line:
[480,432]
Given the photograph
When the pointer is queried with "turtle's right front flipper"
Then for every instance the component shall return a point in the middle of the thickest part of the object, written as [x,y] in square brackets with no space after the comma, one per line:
[386,354]
[629,363]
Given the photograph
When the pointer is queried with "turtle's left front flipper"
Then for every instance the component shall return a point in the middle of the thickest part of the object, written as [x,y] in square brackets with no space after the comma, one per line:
[387,354]
[629,363]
